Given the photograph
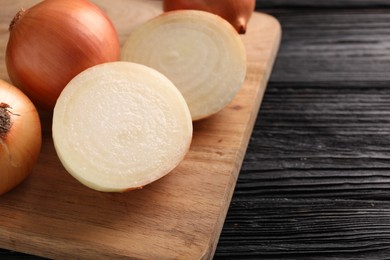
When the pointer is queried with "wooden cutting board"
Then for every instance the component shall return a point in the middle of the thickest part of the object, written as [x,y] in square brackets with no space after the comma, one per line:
[178,217]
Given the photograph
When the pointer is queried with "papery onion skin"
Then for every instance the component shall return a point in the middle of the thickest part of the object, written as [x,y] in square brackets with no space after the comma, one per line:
[21,145]
[236,12]
[53,41]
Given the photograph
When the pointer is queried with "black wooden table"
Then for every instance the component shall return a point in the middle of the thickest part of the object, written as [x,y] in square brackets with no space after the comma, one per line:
[315,183]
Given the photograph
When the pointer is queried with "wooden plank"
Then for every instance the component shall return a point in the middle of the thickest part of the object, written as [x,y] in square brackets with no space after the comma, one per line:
[179,216]
[322,4]
[334,46]
[315,180]
[307,229]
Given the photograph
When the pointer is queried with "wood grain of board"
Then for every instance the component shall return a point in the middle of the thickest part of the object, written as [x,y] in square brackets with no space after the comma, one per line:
[179,216]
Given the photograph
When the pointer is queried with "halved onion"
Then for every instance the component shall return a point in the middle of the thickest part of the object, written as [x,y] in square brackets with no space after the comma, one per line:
[201,53]
[120,126]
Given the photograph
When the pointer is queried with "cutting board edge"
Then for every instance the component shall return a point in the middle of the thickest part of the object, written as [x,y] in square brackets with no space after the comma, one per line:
[210,251]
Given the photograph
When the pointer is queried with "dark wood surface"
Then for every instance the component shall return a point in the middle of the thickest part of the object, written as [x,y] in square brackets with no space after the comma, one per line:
[315,182]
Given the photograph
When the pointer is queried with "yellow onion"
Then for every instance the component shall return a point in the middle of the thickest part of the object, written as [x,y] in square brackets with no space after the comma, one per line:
[53,41]
[20,136]
[236,12]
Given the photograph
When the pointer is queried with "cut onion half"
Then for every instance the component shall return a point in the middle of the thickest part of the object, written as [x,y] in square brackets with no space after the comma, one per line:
[120,126]
[201,53]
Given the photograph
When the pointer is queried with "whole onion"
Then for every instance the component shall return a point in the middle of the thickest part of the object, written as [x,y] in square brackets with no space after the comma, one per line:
[236,12]
[20,136]
[53,41]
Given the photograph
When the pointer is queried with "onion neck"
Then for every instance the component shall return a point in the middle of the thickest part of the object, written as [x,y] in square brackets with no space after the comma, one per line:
[16,19]
[241,25]
[5,120]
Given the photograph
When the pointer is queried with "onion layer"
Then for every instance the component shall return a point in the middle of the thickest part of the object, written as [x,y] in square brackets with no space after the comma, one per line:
[53,41]
[198,51]
[120,126]
[20,136]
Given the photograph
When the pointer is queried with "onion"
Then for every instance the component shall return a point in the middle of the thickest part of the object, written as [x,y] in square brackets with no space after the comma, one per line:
[198,51]
[20,136]
[119,126]
[237,12]
[55,40]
